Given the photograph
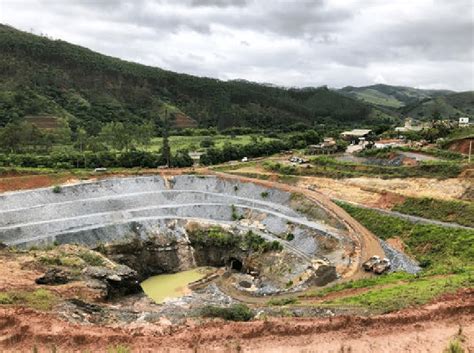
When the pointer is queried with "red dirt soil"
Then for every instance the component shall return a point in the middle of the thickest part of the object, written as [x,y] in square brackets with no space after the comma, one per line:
[24,182]
[462,145]
[426,329]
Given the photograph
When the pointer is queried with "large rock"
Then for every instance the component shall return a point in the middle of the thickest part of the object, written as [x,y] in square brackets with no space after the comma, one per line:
[119,281]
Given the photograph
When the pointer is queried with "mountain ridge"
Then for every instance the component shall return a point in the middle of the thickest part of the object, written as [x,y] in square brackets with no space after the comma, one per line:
[43,76]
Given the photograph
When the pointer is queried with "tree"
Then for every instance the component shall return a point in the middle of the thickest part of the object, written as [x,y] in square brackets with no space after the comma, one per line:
[117,136]
[166,149]
[207,142]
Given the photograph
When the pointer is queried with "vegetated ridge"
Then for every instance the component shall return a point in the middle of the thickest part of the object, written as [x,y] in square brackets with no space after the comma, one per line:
[413,102]
[391,96]
[41,76]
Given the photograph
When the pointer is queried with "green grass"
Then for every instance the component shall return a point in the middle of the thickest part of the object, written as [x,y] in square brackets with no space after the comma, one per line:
[92,258]
[388,278]
[193,143]
[461,212]
[378,98]
[40,299]
[438,249]
[454,347]
[119,349]
[412,293]
[282,301]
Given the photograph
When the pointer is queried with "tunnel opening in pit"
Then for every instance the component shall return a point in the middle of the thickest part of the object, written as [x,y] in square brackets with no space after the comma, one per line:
[235,265]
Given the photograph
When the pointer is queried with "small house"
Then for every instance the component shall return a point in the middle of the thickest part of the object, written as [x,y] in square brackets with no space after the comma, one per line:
[356,136]
[328,146]
[464,121]
[411,125]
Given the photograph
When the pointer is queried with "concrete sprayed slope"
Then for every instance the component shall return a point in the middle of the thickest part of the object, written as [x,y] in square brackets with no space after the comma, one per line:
[109,210]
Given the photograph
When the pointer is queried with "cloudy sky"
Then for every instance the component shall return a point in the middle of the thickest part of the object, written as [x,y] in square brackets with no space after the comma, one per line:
[420,43]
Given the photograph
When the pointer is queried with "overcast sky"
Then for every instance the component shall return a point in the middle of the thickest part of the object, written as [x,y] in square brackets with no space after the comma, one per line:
[419,43]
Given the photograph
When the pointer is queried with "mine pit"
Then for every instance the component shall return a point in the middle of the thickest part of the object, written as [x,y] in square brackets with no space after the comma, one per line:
[162,231]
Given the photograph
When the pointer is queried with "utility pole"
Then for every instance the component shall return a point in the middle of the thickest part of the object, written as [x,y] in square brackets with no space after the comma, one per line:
[470,150]
[166,150]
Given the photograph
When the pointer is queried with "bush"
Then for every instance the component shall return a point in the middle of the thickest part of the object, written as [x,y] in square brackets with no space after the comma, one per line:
[237,312]
[207,142]
[283,301]
[454,347]
[57,189]
[92,258]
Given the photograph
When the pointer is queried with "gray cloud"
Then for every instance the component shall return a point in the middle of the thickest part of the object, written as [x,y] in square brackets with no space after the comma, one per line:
[423,43]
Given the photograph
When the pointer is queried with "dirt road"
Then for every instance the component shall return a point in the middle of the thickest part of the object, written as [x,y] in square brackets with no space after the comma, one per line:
[426,329]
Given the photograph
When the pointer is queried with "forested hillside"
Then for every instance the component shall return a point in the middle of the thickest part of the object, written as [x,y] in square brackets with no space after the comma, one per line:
[391,96]
[451,106]
[40,76]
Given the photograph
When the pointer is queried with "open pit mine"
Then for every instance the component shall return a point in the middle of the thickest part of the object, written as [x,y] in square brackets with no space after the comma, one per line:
[254,239]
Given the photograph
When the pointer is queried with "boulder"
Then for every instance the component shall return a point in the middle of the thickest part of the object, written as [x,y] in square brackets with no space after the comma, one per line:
[119,281]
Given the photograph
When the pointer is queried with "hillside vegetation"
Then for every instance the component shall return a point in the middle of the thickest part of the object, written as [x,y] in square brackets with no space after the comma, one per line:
[391,96]
[416,103]
[40,76]
[451,106]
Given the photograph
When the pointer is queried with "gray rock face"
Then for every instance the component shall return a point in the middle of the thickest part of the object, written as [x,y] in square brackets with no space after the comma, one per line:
[399,261]
[54,276]
[115,210]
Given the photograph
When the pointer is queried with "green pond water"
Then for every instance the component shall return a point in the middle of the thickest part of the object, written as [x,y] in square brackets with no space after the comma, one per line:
[172,285]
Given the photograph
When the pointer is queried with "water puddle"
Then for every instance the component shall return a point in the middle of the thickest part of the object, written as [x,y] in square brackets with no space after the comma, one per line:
[173,285]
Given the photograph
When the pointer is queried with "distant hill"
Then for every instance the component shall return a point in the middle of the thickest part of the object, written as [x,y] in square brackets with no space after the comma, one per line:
[44,77]
[451,106]
[393,97]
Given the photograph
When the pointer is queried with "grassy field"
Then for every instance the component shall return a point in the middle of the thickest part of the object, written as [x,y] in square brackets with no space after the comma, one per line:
[461,212]
[193,143]
[416,292]
[41,299]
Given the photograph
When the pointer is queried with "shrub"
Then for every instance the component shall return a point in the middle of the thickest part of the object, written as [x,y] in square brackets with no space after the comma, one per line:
[237,312]
[207,142]
[264,194]
[92,258]
[454,347]
[290,236]
[282,301]
[57,189]
[119,349]
[5,299]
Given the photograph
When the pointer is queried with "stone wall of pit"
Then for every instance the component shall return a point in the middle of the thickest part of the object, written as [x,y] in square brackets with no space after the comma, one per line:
[111,210]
